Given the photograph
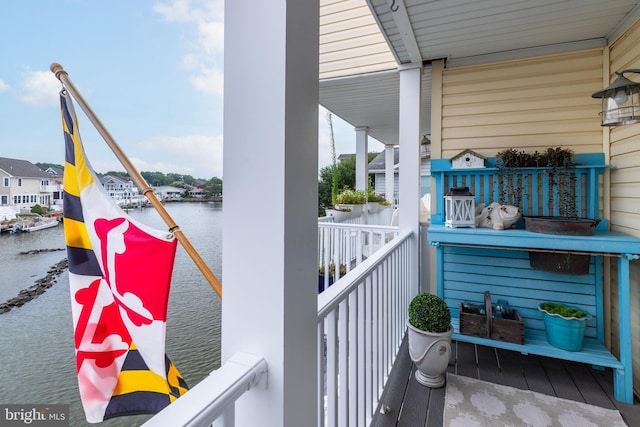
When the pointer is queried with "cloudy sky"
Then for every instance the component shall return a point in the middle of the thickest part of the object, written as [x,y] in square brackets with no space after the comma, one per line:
[151,70]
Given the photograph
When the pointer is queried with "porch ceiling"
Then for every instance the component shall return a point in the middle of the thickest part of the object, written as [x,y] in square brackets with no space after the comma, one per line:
[464,33]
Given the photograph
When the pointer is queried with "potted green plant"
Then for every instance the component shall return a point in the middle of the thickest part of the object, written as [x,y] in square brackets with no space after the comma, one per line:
[332,275]
[429,333]
[375,203]
[351,199]
[564,325]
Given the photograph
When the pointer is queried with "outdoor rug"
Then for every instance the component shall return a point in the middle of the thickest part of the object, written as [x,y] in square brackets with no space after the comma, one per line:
[474,403]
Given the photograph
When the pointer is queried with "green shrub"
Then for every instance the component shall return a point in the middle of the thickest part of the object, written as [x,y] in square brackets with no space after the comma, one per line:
[351,197]
[38,210]
[373,197]
[429,313]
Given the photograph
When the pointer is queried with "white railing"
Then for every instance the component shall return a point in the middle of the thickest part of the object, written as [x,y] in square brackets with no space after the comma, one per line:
[213,398]
[347,245]
[361,322]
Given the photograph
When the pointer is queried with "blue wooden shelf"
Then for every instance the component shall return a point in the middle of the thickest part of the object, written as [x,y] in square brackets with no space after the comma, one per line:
[470,261]
[593,353]
[609,242]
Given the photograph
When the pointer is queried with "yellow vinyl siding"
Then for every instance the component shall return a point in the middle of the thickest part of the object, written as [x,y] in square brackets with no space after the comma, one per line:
[350,41]
[530,104]
[625,180]
[542,102]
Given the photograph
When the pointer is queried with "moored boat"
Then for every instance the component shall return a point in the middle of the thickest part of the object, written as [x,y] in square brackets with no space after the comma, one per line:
[34,224]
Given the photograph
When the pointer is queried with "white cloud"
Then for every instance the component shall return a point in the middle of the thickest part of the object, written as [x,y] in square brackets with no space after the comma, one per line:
[209,81]
[211,37]
[202,153]
[40,88]
[204,58]
[4,87]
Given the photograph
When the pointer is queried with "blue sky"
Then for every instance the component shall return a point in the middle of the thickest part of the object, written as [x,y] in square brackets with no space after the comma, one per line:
[151,70]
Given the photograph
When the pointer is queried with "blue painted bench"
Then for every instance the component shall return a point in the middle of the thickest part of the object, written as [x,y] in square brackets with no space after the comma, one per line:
[470,261]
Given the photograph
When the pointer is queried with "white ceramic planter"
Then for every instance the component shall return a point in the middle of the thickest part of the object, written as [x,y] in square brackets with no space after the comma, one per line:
[431,353]
[338,216]
[356,210]
[374,207]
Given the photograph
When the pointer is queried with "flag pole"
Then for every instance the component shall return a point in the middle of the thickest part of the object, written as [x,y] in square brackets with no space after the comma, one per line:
[140,182]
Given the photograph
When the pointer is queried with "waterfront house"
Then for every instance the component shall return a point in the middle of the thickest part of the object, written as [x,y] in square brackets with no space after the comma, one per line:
[196,192]
[24,185]
[57,189]
[480,75]
[168,193]
[123,191]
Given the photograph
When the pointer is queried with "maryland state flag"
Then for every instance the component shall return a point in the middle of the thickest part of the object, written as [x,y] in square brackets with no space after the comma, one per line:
[119,274]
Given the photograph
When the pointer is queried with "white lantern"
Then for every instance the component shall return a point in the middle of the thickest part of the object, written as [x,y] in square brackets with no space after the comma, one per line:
[460,208]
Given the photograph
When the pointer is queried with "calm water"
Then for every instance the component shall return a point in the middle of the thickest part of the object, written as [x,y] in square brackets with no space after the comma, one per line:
[36,340]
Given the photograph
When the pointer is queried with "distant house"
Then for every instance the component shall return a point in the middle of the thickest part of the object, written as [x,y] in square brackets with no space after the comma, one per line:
[196,192]
[123,191]
[24,185]
[55,171]
[57,187]
[168,193]
[377,167]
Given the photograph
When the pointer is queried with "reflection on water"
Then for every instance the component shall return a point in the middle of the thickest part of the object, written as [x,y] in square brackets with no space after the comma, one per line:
[36,343]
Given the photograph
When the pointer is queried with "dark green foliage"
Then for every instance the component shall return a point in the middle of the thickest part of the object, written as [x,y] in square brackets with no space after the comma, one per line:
[213,187]
[429,313]
[45,166]
[562,310]
[345,173]
[563,179]
[38,210]
[351,197]
[552,158]
[159,178]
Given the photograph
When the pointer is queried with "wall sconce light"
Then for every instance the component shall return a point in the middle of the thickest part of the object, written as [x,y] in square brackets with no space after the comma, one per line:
[620,101]
[425,147]
[460,208]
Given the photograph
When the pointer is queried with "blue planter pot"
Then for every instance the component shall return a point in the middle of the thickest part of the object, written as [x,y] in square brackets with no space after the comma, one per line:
[321,282]
[566,333]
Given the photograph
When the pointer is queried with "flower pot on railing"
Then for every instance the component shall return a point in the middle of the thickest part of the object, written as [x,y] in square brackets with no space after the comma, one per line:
[323,284]
[356,210]
[354,200]
[339,215]
[564,325]
[373,207]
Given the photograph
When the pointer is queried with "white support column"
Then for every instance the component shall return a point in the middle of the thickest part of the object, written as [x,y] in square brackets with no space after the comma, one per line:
[362,164]
[409,185]
[269,305]
[389,173]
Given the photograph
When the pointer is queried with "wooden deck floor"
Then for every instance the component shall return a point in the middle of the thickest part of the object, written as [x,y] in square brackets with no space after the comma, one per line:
[409,404]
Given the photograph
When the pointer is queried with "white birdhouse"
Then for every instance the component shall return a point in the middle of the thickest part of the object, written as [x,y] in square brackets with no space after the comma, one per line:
[460,208]
[467,159]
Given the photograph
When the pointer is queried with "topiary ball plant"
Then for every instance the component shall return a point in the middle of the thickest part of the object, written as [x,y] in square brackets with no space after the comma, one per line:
[429,313]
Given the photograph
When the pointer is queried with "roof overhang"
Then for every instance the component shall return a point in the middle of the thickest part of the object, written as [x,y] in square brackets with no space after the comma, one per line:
[462,33]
